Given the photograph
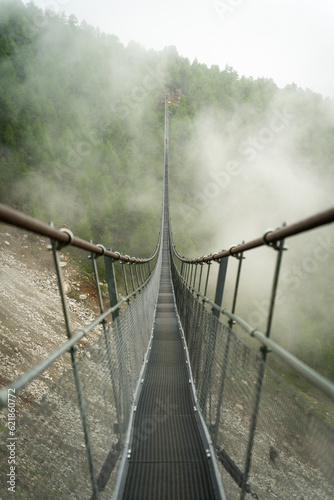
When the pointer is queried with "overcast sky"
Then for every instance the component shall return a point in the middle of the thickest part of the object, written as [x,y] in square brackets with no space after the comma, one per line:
[286,40]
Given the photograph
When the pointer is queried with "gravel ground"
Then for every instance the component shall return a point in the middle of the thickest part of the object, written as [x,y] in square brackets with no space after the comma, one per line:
[31,327]
[31,318]
[276,472]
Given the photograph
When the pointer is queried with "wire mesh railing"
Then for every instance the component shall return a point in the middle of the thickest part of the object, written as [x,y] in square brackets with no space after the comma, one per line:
[67,444]
[271,442]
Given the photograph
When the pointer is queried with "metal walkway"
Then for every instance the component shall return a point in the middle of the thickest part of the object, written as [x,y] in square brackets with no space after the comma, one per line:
[115,402]
[170,455]
[170,458]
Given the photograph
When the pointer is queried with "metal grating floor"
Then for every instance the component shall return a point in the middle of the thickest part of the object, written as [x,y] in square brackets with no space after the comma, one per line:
[168,458]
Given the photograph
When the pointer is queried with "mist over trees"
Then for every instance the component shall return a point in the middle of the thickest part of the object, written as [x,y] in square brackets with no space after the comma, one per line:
[81,142]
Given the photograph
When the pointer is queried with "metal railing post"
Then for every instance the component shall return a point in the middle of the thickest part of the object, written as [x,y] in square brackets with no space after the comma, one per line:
[191,274]
[132,280]
[196,265]
[113,297]
[141,272]
[240,258]
[124,278]
[226,354]
[93,257]
[55,246]
[207,279]
[112,285]
[187,273]
[280,247]
[207,371]
[137,278]
[220,285]
[200,277]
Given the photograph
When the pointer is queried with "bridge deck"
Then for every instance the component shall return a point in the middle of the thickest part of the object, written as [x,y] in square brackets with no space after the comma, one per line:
[168,457]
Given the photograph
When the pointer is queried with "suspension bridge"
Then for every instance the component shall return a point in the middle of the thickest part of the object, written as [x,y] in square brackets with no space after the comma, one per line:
[170,402]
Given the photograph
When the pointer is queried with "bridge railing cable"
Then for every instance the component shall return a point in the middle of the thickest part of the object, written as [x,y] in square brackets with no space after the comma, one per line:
[256,420]
[71,438]
[270,237]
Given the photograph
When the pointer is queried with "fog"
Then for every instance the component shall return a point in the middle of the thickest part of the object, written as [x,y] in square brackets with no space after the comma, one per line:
[82,145]
[88,110]
[255,176]
[252,177]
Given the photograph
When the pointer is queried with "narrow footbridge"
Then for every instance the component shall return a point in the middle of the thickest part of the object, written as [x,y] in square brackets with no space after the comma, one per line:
[172,401]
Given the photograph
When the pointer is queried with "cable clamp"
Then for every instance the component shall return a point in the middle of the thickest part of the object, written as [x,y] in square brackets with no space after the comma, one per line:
[238,255]
[119,255]
[213,257]
[123,262]
[265,349]
[272,244]
[96,255]
[276,245]
[230,250]
[62,244]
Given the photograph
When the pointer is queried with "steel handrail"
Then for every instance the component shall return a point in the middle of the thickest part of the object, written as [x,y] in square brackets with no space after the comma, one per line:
[16,218]
[270,237]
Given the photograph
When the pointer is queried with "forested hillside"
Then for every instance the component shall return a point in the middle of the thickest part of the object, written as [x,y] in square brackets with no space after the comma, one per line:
[81,138]
[82,117]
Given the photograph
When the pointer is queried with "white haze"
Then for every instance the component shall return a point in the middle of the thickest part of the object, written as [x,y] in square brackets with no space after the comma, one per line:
[281,39]
[250,178]
[253,178]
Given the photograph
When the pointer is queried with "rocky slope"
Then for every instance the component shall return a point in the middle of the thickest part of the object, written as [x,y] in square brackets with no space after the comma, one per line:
[31,327]
[31,318]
